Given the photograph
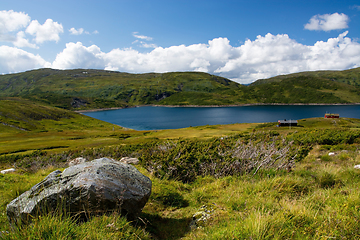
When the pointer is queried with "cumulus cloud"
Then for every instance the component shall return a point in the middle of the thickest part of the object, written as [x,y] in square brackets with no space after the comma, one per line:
[264,57]
[12,21]
[79,31]
[49,31]
[76,55]
[16,60]
[274,55]
[21,41]
[328,22]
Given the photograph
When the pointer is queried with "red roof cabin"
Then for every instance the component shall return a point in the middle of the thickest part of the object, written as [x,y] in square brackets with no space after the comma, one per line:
[287,123]
[332,115]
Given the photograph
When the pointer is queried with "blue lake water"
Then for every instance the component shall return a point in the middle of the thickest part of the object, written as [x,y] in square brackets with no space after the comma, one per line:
[156,118]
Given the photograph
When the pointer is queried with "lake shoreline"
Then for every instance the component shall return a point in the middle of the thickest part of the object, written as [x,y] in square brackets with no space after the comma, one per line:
[231,105]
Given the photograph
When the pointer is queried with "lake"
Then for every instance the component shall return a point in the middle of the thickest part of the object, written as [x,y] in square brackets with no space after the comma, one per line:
[156,118]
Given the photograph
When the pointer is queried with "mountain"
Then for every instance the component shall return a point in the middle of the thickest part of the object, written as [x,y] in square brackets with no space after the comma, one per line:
[90,89]
[309,87]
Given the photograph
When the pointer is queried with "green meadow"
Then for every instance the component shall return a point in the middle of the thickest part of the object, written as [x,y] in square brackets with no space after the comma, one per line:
[260,181]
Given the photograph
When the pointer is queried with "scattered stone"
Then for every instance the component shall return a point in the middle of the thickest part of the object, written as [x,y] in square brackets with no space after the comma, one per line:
[77,161]
[77,102]
[7,170]
[357,166]
[129,160]
[96,187]
[200,218]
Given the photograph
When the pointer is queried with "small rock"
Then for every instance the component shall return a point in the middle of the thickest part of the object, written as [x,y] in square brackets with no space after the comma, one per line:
[357,166]
[8,170]
[201,217]
[129,160]
[331,153]
[77,161]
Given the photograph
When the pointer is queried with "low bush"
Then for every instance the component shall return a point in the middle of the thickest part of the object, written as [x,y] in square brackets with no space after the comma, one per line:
[185,160]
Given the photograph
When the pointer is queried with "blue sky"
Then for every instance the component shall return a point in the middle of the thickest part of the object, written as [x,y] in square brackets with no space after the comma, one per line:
[240,40]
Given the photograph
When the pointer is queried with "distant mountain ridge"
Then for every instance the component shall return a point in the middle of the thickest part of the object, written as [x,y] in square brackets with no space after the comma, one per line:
[91,89]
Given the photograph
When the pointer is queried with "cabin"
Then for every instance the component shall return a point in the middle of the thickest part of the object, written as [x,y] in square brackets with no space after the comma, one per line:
[332,115]
[283,123]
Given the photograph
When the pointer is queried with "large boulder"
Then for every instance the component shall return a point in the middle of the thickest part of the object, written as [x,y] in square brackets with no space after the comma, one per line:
[95,187]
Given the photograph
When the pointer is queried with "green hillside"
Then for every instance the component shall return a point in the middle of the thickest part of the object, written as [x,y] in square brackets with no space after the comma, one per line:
[98,89]
[303,88]
[91,89]
[351,76]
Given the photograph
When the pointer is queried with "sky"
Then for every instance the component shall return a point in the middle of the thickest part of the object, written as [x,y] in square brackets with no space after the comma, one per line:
[240,40]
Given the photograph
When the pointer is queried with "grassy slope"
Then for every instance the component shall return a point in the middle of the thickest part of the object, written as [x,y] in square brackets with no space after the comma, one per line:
[304,88]
[318,199]
[85,89]
[351,76]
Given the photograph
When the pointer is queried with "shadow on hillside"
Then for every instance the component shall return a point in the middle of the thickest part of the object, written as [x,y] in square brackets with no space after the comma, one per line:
[164,228]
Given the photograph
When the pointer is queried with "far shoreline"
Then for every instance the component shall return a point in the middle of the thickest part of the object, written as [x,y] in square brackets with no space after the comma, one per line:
[209,106]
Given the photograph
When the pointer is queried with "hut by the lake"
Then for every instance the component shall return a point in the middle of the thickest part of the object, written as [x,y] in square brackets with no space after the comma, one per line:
[284,123]
[332,115]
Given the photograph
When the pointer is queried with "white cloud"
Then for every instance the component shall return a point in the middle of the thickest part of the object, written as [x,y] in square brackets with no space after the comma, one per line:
[75,55]
[135,34]
[328,22]
[264,57]
[79,31]
[12,21]
[49,31]
[16,60]
[274,55]
[145,44]
[21,41]
[142,43]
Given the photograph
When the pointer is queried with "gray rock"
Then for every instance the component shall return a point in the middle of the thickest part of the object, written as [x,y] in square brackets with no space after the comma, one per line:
[77,161]
[95,187]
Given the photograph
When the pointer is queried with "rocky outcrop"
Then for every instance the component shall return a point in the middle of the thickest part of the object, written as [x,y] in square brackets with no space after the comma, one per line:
[77,161]
[77,102]
[94,187]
